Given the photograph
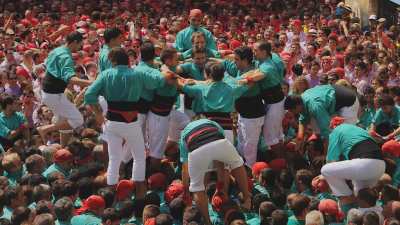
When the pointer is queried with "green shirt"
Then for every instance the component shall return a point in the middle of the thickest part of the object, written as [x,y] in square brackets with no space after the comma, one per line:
[152,73]
[294,221]
[342,140]
[86,219]
[183,39]
[396,175]
[381,117]
[60,64]
[7,213]
[233,71]
[15,178]
[273,69]
[192,125]
[8,124]
[122,83]
[366,117]
[191,70]
[319,103]
[104,62]
[55,168]
[211,53]
[215,96]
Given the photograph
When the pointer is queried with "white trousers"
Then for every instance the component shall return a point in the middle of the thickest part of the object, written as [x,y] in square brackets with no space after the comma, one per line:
[63,108]
[132,134]
[200,159]
[158,133]
[142,118]
[178,121]
[249,131]
[273,131]
[363,173]
[350,114]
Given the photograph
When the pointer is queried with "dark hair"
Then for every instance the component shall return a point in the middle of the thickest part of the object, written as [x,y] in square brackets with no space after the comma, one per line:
[40,191]
[111,33]
[10,194]
[299,204]
[152,198]
[234,215]
[258,199]
[164,219]
[197,34]
[167,53]
[297,69]
[108,194]
[279,217]
[265,46]
[192,214]
[118,56]
[305,177]
[110,214]
[362,65]
[371,218]
[20,215]
[292,101]
[266,209]
[244,53]
[6,101]
[85,187]
[217,72]
[390,193]
[74,36]
[368,195]
[147,51]
[126,209]
[43,206]
[63,209]
[176,208]
[268,176]
[386,99]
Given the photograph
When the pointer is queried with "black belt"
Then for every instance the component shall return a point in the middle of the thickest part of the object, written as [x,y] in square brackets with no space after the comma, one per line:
[162,105]
[53,85]
[344,97]
[250,107]
[120,111]
[367,149]
[273,95]
[202,135]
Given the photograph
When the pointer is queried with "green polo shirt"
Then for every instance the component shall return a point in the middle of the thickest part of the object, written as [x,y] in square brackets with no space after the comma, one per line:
[366,117]
[319,103]
[191,70]
[15,178]
[342,140]
[104,62]
[55,168]
[233,71]
[273,69]
[211,53]
[294,221]
[215,96]
[8,124]
[381,117]
[186,131]
[60,64]
[122,83]
[7,213]
[183,41]
[86,219]
[152,73]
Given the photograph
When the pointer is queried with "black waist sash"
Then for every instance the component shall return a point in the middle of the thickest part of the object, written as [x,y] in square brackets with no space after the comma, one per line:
[345,97]
[367,149]
[273,95]
[53,85]
[223,119]
[125,112]
[162,105]
[202,135]
[143,106]
[250,107]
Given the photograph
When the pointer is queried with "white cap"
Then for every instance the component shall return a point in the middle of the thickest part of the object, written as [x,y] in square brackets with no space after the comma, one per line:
[373,17]
[381,20]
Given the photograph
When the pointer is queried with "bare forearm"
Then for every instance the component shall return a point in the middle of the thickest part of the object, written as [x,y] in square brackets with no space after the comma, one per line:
[80,82]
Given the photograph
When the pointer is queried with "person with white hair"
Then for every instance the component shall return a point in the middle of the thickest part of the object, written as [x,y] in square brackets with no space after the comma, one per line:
[314,218]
